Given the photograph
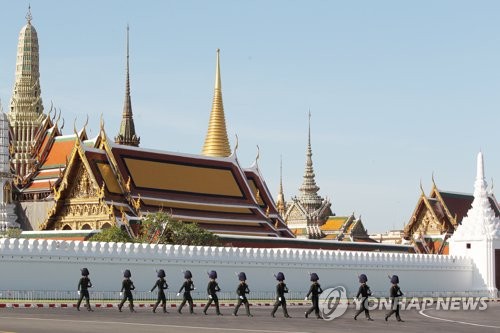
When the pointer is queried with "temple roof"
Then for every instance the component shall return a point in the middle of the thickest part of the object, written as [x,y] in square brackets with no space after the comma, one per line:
[213,192]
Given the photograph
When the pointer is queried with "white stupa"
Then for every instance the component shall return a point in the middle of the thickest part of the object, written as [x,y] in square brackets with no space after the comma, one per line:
[7,215]
[478,237]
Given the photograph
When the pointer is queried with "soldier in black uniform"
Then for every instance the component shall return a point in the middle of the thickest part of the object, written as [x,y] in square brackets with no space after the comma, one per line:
[242,292]
[363,291]
[314,290]
[212,289]
[394,292]
[83,291]
[126,291]
[161,284]
[188,286]
[281,290]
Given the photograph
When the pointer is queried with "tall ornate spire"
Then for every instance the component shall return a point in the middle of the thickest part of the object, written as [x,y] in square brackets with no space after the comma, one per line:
[26,109]
[309,190]
[280,202]
[216,141]
[127,135]
[480,222]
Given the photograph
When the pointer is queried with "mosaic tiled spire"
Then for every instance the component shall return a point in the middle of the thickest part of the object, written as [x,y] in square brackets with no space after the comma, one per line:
[127,135]
[216,141]
[26,109]
[280,202]
[309,190]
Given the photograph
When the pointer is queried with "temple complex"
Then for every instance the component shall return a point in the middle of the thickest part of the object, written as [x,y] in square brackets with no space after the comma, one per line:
[72,182]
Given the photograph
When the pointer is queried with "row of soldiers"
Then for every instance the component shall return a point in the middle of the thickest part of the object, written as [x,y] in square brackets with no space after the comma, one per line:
[242,290]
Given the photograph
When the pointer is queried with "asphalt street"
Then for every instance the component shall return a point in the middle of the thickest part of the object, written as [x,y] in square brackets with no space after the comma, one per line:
[59,320]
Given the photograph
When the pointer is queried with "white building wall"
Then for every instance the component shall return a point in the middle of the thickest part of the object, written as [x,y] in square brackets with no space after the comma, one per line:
[29,264]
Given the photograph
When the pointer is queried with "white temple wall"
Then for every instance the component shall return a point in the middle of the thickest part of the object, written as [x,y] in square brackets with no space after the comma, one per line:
[30,264]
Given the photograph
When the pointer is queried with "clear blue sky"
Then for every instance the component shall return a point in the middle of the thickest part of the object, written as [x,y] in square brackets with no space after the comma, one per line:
[397,89]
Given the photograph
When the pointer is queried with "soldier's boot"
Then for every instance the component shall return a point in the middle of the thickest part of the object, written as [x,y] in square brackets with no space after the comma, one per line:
[274,311]
[154,307]
[164,308]
[181,306]
[247,308]
[206,308]
[217,309]
[88,307]
[235,312]
[120,306]
[131,307]
[285,312]
[191,311]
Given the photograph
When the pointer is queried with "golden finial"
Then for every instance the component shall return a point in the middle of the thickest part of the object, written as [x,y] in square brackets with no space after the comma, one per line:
[127,186]
[422,188]
[236,144]
[102,190]
[258,154]
[28,15]
[101,123]
[137,203]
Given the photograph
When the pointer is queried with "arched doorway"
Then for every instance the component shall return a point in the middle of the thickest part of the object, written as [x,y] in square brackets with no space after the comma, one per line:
[106,226]
[67,227]
[86,226]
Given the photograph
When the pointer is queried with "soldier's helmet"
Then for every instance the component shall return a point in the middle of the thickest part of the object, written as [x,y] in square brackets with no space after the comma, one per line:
[242,276]
[127,273]
[212,275]
[394,279]
[363,278]
[280,276]
[314,277]
[188,275]
[85,272]
[161,273]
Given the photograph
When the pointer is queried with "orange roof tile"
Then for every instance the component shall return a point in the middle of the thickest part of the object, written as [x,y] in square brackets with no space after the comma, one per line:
[333,223]
[59,152]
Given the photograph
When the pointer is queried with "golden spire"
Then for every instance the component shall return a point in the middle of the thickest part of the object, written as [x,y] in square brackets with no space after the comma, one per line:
[216,141]
[280,202]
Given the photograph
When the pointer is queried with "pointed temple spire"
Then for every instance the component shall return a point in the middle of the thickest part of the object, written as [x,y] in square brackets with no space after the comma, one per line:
[480,222]
[26,108]
[127,135]
[216,141]
[280,202]
[309,190]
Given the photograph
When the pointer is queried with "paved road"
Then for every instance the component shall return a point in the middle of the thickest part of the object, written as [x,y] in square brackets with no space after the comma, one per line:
[61,320]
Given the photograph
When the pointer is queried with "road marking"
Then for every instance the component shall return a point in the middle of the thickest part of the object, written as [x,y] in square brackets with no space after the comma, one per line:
[151,325]
[456,321]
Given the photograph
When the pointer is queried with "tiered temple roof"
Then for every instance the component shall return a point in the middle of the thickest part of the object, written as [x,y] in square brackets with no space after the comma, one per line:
[216,193]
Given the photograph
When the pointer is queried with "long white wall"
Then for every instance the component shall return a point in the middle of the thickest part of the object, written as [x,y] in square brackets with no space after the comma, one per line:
[30,264]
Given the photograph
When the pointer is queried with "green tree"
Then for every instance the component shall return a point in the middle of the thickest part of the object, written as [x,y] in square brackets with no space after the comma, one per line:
[112,234]
[160,228]
[11,233]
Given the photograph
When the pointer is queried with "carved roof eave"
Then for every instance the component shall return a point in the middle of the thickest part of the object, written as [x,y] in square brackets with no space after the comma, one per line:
[414,215]
[107,147]
[78,152]
[435,192]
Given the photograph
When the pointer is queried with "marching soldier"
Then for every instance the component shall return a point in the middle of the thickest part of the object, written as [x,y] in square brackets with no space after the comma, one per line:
[161,284]
[126,291]
[188,286]
[212,289]
[83,291]
[242,292]
[395,292]
[314,290]
[363,291]
[281,290]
